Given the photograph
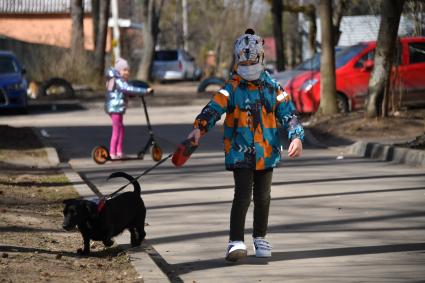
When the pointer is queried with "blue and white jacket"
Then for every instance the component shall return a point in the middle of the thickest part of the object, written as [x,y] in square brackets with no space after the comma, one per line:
[116,99]
[252,110]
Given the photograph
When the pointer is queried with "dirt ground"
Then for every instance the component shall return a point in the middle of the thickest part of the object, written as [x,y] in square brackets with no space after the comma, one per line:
[405,128]
[33,245]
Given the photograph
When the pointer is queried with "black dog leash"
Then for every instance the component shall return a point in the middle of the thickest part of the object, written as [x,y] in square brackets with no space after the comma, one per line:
[138,177]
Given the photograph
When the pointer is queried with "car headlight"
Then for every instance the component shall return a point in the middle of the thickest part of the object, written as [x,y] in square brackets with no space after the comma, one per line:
[308,84]
[17,86]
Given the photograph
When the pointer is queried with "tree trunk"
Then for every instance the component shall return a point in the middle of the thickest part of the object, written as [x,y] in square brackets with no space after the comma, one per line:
[101,36]
[77,36]
[277,9]
[95,18]
[151,11]
[384,54]
[327,104]
[312,29]
[290,27]
[340,8]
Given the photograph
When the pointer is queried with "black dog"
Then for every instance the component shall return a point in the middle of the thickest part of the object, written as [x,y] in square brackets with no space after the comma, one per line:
[125,211]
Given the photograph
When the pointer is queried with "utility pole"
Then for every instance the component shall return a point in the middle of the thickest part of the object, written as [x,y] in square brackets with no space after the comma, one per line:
[185,25]
[115,31]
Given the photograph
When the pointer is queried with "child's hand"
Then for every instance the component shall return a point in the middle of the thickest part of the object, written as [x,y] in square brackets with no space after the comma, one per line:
[295,148]
[195,134]
[149,90]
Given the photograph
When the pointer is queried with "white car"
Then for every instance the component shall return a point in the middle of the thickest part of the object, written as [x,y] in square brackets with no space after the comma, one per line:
[174,64]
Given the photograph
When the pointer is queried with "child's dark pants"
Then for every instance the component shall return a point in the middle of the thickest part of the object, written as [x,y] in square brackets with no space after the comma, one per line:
[246,182]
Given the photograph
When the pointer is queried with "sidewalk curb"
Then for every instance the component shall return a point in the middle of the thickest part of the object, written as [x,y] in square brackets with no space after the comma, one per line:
[140,257]
[400,155]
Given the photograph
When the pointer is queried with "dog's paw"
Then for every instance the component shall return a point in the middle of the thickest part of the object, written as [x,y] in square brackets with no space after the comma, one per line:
[82,252]
[136,243]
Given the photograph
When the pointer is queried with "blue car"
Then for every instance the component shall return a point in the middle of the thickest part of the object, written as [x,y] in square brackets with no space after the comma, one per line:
[13,85]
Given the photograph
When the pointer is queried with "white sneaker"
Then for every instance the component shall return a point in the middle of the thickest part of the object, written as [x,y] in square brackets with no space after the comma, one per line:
[235,251]
[262,247]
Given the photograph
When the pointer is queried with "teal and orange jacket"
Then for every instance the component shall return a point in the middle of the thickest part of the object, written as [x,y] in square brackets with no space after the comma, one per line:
[251,138]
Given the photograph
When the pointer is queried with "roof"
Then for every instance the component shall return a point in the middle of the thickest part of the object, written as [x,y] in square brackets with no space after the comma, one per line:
[39,6]
[365,28]
[357,29]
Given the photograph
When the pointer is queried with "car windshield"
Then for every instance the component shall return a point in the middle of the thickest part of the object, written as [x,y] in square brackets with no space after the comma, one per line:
[7,65]
[310,64]
[166,55]
[347,54]
[342,56]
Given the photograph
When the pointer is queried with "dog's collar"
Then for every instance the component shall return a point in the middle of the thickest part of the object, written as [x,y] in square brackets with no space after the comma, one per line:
[101,205]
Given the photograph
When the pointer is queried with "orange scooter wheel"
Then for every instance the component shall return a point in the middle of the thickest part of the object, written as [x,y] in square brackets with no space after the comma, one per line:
[156,152]
[100,154]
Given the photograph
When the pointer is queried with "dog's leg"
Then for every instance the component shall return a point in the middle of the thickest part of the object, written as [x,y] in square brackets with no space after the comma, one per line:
[141,234]
[86,249]
[134,236]
[141,225]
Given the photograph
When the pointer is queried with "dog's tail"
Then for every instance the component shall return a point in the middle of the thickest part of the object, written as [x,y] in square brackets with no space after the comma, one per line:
[130,178]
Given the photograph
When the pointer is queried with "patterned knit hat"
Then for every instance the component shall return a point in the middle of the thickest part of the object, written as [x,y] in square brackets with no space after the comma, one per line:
[249,47]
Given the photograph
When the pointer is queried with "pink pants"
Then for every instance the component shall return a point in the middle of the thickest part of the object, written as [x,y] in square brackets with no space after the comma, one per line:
[117,134]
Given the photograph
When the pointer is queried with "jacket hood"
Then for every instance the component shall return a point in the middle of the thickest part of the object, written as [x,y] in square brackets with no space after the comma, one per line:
[112,73]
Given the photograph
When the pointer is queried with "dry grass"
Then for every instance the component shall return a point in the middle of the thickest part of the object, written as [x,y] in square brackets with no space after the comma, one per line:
[33,246]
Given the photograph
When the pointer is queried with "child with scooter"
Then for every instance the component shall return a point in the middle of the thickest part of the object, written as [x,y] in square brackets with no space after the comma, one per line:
[252,101]
[118,89]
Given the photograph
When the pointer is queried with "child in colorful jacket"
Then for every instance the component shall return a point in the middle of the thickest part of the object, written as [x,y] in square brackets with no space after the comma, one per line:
[116,102]
[252,101]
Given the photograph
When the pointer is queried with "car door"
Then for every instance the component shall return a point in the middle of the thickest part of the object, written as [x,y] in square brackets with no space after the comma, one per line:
[356,78]
[413,74]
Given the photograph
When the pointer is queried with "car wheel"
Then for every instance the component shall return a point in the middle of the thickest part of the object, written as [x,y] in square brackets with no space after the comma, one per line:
[56,87]
[342,103]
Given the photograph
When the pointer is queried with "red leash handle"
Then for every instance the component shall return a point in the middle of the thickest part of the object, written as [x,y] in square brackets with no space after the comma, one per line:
[184,151]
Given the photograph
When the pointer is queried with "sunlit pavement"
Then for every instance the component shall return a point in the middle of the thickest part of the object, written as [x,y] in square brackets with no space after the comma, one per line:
[345,219]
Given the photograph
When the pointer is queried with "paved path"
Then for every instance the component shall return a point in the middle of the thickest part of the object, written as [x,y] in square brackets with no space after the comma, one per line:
[331,220]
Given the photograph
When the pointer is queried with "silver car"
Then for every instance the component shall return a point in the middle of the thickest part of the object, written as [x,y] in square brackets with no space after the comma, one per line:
[174,64]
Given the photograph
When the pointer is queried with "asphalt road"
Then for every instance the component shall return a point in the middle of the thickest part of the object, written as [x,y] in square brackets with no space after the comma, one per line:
[333,218]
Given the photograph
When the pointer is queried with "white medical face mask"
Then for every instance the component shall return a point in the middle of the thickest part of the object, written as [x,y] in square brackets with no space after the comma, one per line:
[250,72]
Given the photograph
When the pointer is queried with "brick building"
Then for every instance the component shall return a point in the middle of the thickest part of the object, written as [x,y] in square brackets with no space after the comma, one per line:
[43,22]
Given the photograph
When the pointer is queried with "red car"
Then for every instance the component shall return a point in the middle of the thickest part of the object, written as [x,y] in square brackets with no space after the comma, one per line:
[353,67]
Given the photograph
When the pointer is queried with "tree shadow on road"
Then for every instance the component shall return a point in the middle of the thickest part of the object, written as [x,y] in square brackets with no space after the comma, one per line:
[187,267]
